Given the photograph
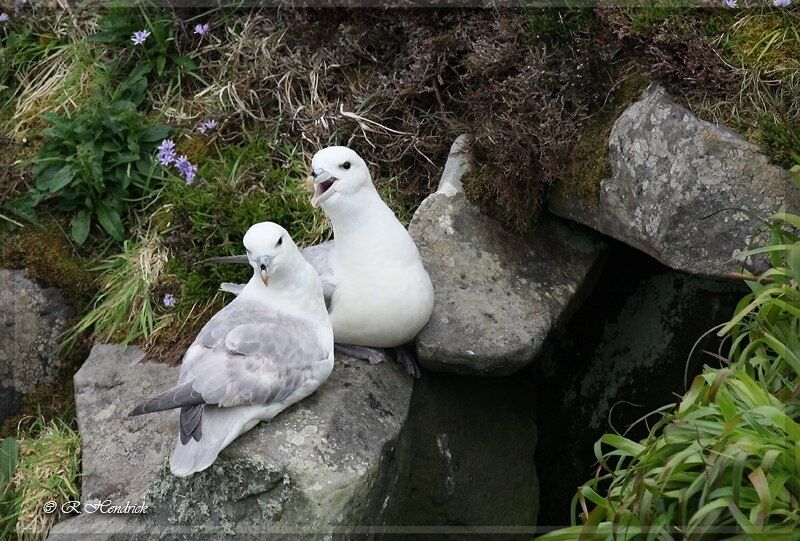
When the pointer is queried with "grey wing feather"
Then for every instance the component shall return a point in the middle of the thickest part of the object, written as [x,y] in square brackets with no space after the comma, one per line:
[230,287]
[236,362]
[235,259]
[320,256]
[247,356]
[177,397]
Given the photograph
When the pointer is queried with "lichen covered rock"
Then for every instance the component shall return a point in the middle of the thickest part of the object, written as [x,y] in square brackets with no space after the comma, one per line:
[33,319]
[317,467]
[497,294]
[685,191]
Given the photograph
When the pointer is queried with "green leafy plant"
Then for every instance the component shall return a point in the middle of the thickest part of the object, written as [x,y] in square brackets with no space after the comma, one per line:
[726,462]
[96,163]
[159,50]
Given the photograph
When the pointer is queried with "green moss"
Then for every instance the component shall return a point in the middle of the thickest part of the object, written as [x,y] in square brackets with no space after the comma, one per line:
[50,261]
[779,138]
[589,160]
[480,190]
[767,42]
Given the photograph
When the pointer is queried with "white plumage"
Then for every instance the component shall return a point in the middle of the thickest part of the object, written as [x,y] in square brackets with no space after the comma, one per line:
[378,291]
[269,348]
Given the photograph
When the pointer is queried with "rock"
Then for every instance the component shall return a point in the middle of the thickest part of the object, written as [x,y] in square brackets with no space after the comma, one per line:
[33,319]
[319,465]
[479,473]
[685,191]
[497,295]
[624,354]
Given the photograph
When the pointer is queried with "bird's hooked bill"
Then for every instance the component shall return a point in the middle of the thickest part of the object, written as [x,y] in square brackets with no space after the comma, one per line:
[323,182]
[263,264]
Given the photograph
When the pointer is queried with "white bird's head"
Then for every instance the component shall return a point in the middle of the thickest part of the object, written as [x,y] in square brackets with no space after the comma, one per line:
[338,172]
[270,250]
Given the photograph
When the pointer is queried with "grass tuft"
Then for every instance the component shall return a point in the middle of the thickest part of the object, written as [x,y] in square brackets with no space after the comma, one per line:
[123,310]
[46,469]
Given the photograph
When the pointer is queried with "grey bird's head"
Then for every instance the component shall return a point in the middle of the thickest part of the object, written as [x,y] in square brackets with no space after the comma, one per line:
[338,172]
[270,249]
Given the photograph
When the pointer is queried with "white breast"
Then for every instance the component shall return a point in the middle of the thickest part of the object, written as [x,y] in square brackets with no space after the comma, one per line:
[381,299]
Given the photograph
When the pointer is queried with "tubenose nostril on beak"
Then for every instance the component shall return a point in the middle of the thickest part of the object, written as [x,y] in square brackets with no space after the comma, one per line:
[263,267]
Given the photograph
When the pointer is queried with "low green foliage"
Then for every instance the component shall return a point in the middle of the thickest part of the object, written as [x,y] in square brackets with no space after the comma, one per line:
[726,462]
[45,468]
[123,309]
[768,41]
[158,52]
[95,163]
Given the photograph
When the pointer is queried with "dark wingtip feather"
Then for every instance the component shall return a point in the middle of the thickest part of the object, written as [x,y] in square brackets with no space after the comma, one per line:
[138,410]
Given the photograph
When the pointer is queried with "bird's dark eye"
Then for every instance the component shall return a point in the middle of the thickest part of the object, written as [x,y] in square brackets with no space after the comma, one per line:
[346,165]
[280,241]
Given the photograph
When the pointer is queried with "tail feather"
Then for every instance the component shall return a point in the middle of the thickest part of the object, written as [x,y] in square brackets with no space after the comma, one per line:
[192,423]
[220,426]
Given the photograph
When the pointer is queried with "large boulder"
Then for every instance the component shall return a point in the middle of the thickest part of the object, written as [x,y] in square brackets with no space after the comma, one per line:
[685,191]
[319,466]
[33,318]
[498,294]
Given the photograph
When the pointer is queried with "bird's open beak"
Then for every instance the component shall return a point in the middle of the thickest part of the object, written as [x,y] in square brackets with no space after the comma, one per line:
[264,263]
[323,186]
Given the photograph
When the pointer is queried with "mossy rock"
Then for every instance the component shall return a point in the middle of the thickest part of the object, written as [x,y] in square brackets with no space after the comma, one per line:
[589,163]
[50,260]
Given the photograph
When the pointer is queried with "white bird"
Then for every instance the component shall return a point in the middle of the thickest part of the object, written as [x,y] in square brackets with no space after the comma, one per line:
[377,290]
[269,348]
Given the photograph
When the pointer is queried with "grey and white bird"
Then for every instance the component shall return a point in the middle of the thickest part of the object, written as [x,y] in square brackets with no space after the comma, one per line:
[378,292]
[270,347]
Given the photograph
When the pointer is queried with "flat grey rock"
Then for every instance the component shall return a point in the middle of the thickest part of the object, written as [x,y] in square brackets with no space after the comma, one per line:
[317,467]
[33,318]
[497,295]
[685,191]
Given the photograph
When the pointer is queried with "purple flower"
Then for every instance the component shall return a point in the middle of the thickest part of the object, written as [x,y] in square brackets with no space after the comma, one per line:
[201,29]
[140,37]
[186,168]
[169,300]
[781,3]
[3,17]
[730,3]
[166,152]
[207,126]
